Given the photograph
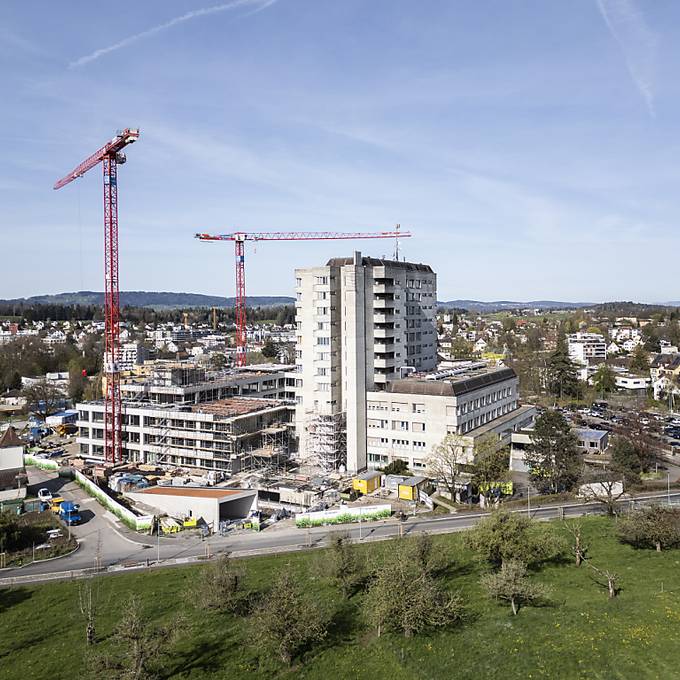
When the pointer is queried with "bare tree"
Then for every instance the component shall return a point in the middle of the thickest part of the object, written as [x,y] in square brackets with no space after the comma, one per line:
[602,487]
[88,596]
[444,463]
[611,578]
[42,398]
[405,596]
[344,564]
[580,550]
[137,648]
[286,622]
[511,584]
[219,586]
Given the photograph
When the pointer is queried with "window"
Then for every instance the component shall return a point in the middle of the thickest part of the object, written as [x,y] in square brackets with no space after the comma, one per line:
[400,425]
[398,407]
[418,408]
[323,280]
[323,341]
[418,445]
[418,427]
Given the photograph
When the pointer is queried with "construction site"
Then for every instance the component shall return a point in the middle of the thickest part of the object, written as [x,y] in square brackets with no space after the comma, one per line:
[294,433]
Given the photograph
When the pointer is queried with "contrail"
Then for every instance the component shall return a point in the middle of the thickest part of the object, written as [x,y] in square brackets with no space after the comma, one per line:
[194,14]
[637,42]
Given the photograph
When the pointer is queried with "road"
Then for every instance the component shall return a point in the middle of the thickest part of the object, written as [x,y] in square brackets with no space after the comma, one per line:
[107,544]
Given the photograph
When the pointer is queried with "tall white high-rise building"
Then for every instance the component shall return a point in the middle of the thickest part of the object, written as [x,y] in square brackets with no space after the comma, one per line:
[361,321]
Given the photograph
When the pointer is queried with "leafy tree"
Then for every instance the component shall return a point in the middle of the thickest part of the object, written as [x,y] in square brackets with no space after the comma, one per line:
[461,348]
[219,586]
[76,381]
[510,584]
[218,361]
[396,467]
[42,398]
[627,458]
[345,565]
[93,389]
[553,457]
[561,373]
[286,622]
[10,532]
[407,598]
[445,461]
[639,361]
[504,536]
[138,648]
[655,527]
[270,350]
[604,379]
[491,462]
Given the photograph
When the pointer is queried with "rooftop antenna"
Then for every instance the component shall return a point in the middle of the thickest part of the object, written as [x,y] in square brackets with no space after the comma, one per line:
[396,242]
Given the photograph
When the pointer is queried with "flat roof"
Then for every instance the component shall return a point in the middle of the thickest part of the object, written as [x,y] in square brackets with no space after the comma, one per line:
[588,433]
[413,481]
[372,474]
[451,386]
[235,406]
[191,491]
[380,262]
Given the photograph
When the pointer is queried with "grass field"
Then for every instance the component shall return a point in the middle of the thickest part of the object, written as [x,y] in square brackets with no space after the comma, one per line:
[581,634]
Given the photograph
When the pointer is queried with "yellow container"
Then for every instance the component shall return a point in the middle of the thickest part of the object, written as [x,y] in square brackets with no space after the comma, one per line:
[367,483]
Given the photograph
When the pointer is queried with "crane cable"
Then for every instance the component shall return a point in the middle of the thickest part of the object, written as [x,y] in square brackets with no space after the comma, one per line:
[80,240]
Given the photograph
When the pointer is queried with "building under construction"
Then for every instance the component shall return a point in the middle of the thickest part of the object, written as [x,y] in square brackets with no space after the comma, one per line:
[226,435]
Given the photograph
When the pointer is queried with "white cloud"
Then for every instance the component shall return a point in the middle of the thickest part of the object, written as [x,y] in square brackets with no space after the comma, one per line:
[637,42]
[194,14]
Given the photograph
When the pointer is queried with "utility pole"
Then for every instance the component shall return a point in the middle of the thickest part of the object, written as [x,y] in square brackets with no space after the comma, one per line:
[529,501]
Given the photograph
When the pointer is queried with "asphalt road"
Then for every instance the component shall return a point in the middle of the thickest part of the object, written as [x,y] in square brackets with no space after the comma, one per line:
[104,543]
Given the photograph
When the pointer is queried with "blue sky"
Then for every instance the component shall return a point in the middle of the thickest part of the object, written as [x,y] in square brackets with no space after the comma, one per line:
[531,146]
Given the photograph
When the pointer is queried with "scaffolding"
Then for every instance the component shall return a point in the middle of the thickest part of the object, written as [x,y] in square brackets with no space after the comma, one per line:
[327,441]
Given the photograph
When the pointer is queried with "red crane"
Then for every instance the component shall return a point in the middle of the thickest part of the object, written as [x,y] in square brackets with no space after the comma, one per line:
[240,237]
[110,156]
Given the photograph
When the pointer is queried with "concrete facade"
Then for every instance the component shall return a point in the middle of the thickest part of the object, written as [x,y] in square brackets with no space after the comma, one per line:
[413,416]
[359,321]
[586,347]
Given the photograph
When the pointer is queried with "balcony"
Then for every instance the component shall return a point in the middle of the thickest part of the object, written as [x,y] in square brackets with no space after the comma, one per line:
[383,316]
[383,362]
[385,333]
[383,303]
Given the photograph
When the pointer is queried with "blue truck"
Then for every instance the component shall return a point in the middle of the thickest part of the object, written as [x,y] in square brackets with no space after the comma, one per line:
[70,512]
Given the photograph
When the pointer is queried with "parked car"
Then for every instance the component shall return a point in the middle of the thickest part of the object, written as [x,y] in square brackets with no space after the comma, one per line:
[44,495]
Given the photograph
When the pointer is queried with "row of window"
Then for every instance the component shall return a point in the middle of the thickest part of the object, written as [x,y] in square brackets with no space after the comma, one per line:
[484,401]
[402,425]
[396,443]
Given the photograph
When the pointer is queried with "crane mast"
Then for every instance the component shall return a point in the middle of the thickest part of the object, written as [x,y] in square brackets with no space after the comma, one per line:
[240,237]
[110,156]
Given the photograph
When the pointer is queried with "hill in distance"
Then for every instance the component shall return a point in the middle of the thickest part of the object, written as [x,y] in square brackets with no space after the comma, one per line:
[501,305]
[149,299]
